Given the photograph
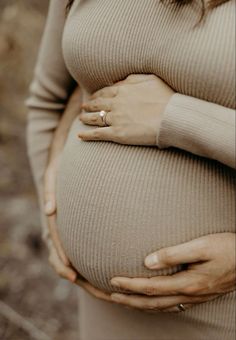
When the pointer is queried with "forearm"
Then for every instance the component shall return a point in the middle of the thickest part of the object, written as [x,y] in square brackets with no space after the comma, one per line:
[200,127]
[49,92]
[40,131]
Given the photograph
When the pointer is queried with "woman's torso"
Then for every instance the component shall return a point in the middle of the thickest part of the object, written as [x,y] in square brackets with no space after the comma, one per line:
[106,40]
[117,203]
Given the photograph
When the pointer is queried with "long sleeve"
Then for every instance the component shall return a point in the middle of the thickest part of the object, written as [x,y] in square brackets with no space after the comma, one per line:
[49,92]
[200,127]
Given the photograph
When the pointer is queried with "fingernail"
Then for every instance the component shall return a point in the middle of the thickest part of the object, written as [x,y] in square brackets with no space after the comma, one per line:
[115,283]
[116,297]
[151,260]
[48,207]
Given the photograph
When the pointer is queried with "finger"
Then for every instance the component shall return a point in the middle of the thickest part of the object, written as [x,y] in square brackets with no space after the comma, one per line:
[93,118]
[184,283]
[189,252]
[144,302]
[104,133]
[158,303]
[97,105]
[62,270]
[56,240]
[106,92]
[189,303]
[133,301]
[99,294]
[49,192]
[176,309]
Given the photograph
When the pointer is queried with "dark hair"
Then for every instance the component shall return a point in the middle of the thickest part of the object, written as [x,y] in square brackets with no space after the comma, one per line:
[206,4]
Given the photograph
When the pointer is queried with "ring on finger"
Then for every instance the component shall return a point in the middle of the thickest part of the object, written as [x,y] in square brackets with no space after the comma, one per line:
[176,309]
[103,115]
[181,307]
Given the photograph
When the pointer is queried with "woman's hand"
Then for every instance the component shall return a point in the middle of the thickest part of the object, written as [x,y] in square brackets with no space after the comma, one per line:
[134,109]
[210,273]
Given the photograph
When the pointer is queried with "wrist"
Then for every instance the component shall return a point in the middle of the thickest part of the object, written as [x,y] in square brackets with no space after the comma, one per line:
[161,117]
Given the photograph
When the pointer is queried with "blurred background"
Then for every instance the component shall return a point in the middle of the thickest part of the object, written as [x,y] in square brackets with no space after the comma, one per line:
[34,302]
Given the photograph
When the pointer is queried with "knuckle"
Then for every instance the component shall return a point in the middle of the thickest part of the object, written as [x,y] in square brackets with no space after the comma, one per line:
[193,289]
[188,290]
[150,290]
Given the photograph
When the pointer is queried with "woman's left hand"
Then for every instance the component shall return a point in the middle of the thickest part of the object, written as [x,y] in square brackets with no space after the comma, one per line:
[210,273]
[134,109]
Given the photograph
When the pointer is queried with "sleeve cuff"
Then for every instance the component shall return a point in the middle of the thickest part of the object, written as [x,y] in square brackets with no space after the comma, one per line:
[178,122]
[197,126]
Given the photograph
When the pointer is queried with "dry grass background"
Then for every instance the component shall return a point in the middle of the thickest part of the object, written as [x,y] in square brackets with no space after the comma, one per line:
[30,293]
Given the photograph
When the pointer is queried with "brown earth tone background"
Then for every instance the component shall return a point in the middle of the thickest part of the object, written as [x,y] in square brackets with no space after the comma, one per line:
[34,303]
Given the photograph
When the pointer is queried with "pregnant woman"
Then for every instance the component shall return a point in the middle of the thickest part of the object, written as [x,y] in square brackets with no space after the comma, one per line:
[145,188]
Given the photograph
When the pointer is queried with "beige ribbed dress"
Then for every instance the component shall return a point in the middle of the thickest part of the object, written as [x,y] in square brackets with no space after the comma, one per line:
[118,203]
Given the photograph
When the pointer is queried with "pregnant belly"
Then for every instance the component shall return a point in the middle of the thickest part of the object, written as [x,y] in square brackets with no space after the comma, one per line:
[117,203]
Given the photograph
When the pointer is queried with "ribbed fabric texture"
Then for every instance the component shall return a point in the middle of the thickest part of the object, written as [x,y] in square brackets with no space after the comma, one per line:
[117,203]
[203,128]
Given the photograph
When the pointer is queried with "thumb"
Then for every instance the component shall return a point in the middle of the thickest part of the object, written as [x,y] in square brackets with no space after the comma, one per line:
[189,252]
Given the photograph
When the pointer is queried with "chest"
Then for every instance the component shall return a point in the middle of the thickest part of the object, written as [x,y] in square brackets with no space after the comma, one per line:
[106,40]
